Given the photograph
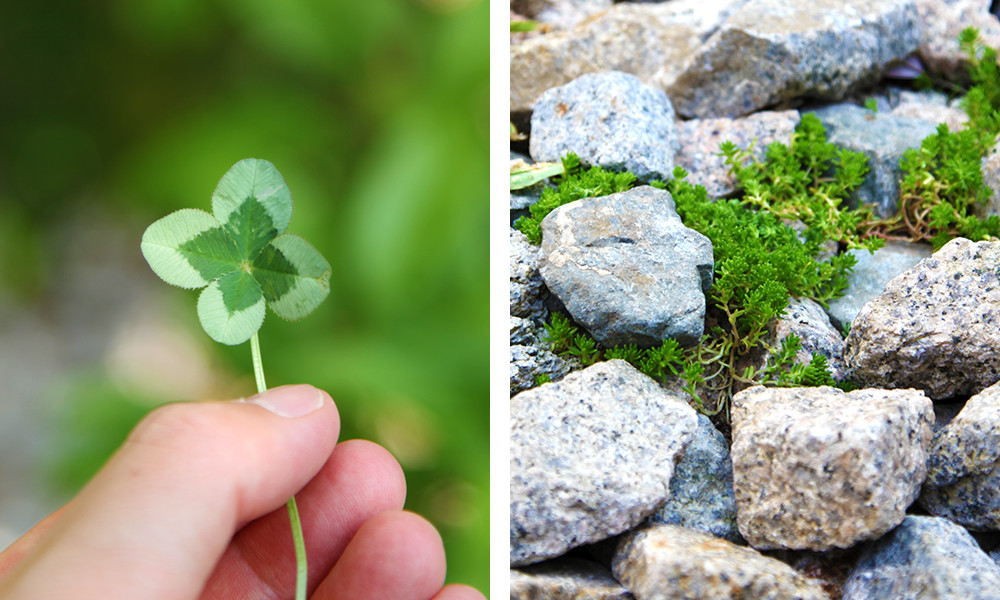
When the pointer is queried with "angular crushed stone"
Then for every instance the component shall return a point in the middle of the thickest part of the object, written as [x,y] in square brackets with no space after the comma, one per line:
[817,468]
[590,457]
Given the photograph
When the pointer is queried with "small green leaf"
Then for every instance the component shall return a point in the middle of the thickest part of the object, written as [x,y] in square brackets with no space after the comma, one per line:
[231,308]
[523,175]
[293,275]
[162,246]
[253,178]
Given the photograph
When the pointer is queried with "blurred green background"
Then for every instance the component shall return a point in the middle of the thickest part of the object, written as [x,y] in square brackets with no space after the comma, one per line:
[114,113]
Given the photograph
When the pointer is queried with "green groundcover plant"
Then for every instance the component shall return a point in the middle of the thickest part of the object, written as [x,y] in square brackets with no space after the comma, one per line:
[761,261]
[244,260]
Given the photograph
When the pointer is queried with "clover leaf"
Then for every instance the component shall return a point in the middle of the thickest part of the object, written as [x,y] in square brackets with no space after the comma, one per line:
[241,253]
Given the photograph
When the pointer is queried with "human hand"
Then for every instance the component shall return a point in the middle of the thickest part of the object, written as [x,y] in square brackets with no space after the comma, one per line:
[192,506]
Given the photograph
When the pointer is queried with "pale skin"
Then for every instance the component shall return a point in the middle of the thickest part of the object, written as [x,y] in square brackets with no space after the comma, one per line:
[192,506]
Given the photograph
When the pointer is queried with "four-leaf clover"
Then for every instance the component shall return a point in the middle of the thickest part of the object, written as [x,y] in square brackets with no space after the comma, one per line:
[241,253]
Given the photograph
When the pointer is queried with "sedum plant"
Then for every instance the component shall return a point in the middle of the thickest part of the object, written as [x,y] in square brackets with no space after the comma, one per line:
[242,257]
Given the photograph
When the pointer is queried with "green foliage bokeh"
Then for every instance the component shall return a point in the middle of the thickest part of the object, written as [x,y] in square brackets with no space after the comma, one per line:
[375,113]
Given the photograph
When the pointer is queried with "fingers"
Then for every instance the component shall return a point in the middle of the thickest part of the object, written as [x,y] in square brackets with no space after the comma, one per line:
[359,481]
[158,516]
[458,592]
[395,555]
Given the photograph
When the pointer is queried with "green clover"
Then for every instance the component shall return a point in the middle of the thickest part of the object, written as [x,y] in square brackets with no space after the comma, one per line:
[241,253]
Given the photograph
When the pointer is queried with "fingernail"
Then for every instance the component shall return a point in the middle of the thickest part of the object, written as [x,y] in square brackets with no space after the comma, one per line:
[290,400]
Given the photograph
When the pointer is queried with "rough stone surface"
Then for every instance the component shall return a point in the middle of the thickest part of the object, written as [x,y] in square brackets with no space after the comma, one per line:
[955,118]
[806,319]
[650,41]
[883,138]
[769,51]
[525,279]
[924,558]
[963,478]
[627,269]
[941,21]
[527,362]
[871,274]
[699,141]
[611,120]
[701,490]
[990,168]
[565,579]
[666,561]
[590,457]
[817,468]
[935,327]
[560,14]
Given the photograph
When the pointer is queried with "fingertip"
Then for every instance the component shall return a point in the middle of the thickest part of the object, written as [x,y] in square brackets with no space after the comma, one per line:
[459,591]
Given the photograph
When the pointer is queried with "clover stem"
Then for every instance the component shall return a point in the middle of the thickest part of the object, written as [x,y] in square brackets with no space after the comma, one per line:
[302,569]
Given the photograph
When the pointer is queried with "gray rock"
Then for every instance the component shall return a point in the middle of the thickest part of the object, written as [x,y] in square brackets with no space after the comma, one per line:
[525,279]
[590,457]
[882,137]
[769,51]
[699,141]
[565,579]
[925,558]
[650,41]
[527,363]
[662,562]
[806,319]
[560,14]
[990,168]
[963,478]
[941,21]
[627,269]
[871,274]
[934,327]
[611,120]
[817,468]
[701,490]
[955,118]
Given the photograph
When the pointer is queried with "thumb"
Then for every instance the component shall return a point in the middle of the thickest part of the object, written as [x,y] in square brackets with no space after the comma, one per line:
[155,520]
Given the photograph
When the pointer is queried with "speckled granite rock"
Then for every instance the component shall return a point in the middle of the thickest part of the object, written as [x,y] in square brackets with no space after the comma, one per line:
[925,558]
[565,579]
[871,274]
[936,327]
[627,269]
[941,21]
[525,279]
[769,51]
[963,478]
[701,490]
[590,457]
[990,168]
[817,468]
[807,319]
[610,120]
[560,14]
[650,41]
[882,137]
[699,141]
[955,118]
[528,362]
[662,562]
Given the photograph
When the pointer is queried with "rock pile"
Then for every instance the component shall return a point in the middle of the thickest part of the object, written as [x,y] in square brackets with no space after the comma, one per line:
[619,489]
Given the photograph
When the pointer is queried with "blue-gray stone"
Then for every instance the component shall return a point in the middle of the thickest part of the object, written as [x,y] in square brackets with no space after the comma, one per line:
[882,138]
[926,558]
[611,120]
[590,457]
[627,269]
[701,490]
[870,275]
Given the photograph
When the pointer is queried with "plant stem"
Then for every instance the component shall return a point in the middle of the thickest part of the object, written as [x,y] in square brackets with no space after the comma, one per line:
[302,569]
